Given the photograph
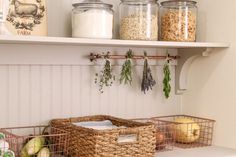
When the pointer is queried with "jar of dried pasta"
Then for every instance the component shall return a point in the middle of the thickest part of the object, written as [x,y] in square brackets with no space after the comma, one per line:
[139,19]
[178,20]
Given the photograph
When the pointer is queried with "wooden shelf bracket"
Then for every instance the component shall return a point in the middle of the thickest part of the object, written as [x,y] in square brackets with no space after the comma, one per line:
[188,56]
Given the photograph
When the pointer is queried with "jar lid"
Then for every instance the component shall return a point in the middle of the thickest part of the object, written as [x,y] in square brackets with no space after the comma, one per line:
[139,1]
[178,2]
[92,4]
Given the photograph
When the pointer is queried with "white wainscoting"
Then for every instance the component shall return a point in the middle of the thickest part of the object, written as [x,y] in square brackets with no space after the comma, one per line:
[33,94]
[41,82]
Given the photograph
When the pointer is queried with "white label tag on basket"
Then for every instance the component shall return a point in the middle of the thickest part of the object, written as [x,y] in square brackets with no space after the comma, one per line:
[127,138]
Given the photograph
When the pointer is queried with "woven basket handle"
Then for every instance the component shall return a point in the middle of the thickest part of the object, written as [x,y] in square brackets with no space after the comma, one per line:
[128,137]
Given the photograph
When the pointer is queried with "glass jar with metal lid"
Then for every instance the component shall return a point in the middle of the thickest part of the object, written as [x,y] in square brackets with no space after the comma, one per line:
[139,19]
[178,20]
[92,19]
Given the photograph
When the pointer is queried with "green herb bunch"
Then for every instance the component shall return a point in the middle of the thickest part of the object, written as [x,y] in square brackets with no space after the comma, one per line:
[106,77]
[126,72]
[166,80]
[147,82]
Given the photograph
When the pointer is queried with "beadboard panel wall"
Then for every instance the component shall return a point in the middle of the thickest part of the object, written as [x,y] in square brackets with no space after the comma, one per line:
[31,94]
[41,82]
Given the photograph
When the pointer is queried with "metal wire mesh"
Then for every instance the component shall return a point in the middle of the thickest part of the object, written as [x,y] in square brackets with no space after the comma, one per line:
[189,131]
[164,135]
[56,140]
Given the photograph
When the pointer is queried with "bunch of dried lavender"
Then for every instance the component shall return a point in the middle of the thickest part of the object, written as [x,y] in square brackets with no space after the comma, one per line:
[147,82]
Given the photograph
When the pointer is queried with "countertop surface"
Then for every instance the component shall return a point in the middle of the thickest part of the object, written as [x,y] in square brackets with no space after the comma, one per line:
[212,151]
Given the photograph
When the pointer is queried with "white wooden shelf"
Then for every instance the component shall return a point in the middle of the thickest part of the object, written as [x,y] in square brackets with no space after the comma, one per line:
[102,42]
[199,152]
[188,51]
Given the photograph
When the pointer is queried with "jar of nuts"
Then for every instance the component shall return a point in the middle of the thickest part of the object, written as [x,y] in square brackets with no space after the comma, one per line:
[178,20]
[139,20]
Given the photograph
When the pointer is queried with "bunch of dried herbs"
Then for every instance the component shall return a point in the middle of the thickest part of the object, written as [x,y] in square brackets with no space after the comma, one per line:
[166,80]
[126,72]
[105,77]
[147,82]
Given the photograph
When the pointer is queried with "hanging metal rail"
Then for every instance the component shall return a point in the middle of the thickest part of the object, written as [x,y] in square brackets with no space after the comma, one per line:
[94,56]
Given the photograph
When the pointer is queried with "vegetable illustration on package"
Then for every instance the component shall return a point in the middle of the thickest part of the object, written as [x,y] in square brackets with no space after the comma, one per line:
[27,17]
[4,146]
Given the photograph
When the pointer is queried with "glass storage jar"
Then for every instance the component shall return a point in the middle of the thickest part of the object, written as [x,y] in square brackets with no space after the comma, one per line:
[139,19]
[92,19]
[178,20]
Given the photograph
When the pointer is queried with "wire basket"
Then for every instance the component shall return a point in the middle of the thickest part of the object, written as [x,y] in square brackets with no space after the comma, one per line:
[164,135]
[15,140]
[189,131]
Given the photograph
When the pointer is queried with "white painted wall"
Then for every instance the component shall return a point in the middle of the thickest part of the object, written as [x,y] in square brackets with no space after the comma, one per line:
[38,83]
[212,91]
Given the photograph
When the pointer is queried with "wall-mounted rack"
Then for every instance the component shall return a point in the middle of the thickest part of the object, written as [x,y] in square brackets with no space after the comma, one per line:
[95,56]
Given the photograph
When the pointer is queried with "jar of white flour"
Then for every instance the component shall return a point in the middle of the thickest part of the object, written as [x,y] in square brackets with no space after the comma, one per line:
[92,19]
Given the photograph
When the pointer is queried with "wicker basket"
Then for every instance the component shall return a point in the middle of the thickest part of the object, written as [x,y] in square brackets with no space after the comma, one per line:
[17,137]
[195,132]
[86,142]
[164,136]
